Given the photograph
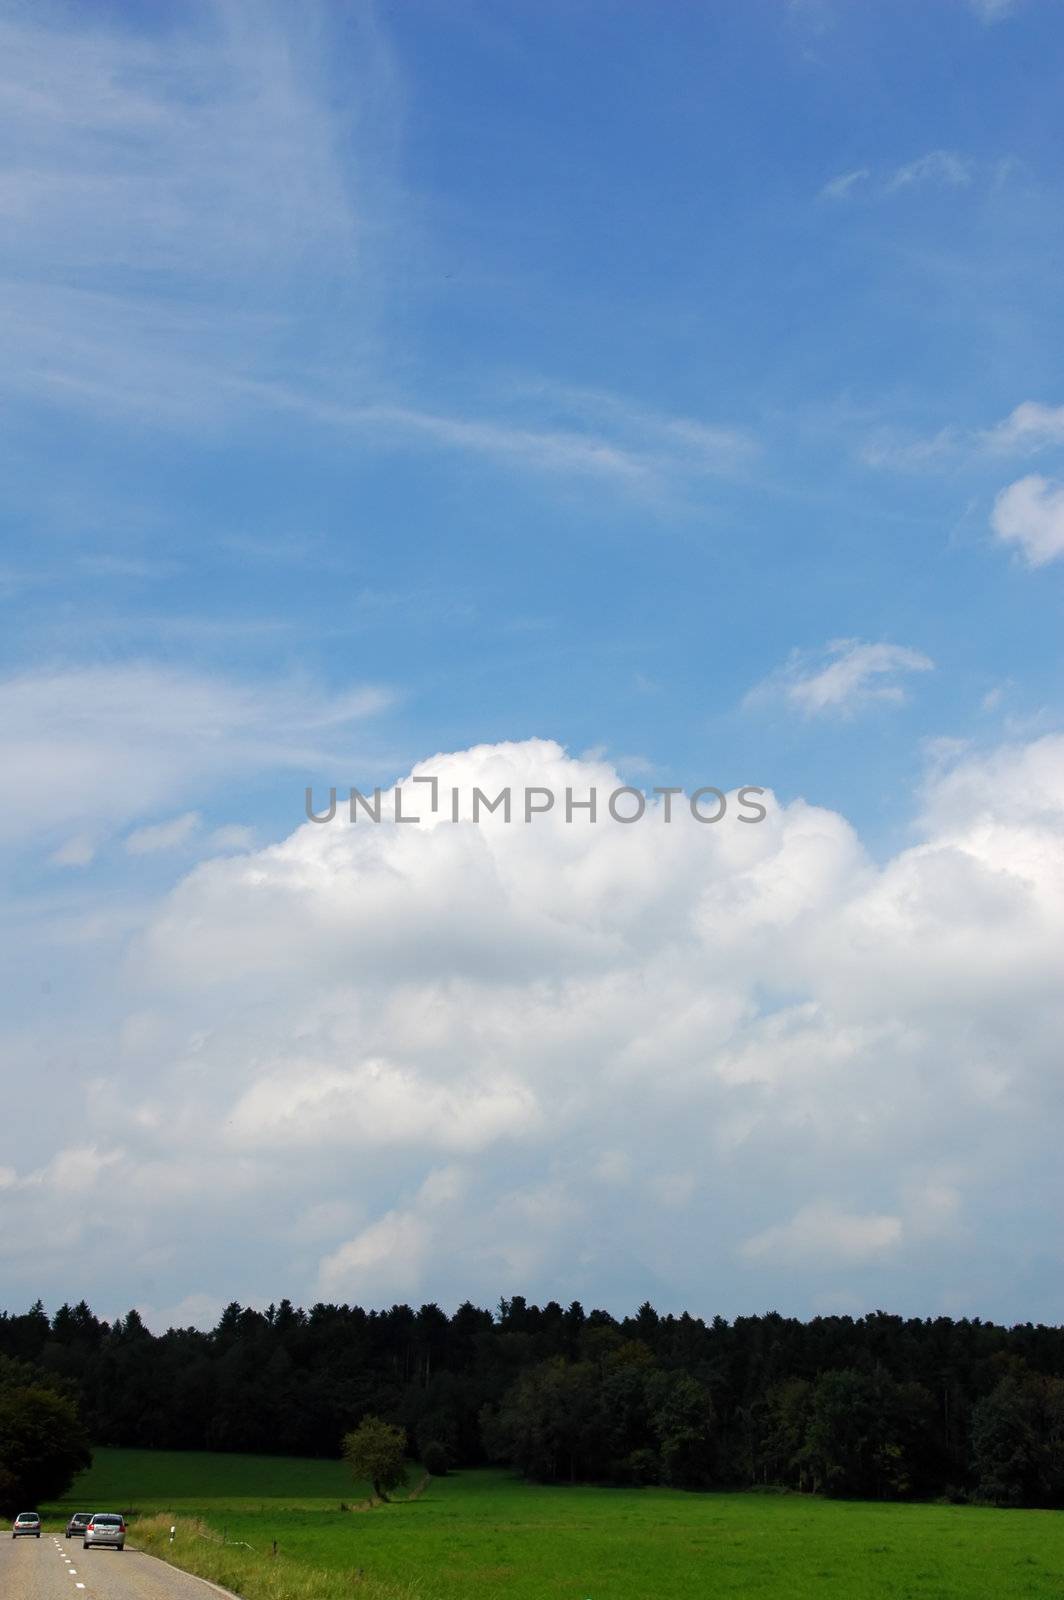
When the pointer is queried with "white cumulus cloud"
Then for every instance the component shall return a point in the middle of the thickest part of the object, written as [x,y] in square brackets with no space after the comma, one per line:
[1030,514]
[576,1059]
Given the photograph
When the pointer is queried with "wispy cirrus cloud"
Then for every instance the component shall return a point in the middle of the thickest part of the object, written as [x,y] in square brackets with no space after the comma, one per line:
[1029,428]
[78,851]
[944,167]
[846,677]
[593,434]
[991,11]
[702,446]
[162,836]
[95,748]
[885,449]
[166,190]
[935,168]
[841,187]
[171,199]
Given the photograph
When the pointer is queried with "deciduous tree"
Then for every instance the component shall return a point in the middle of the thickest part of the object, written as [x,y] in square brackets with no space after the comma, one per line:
[377,1450]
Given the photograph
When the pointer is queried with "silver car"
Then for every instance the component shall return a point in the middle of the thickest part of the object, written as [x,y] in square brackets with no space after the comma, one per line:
[105,1527]
[27,1525]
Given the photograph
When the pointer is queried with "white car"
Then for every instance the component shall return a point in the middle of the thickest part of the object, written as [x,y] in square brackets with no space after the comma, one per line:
[105,1527]
[27,1525]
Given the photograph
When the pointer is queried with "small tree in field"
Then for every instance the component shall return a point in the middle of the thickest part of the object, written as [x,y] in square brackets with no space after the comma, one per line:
[376,1450]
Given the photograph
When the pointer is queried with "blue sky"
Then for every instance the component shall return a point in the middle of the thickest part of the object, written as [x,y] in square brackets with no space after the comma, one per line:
[679,386]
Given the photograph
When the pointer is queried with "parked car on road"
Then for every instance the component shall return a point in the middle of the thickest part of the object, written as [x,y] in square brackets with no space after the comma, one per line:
[26,1525]
[105,1527]
[75,1528]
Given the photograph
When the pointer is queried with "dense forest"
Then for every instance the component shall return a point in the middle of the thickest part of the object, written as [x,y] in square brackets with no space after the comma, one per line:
[878,1406]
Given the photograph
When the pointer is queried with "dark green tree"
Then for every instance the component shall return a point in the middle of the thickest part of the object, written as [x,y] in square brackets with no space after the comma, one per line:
[43,1443]
[863,1436]
[682,1419]
[434,1459]
[1018,1442]
[783,1421]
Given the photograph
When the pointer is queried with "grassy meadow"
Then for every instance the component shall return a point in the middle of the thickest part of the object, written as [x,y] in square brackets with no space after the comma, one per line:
[487,1535]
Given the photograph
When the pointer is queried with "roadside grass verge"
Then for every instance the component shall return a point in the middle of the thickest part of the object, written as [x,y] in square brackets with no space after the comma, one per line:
[253,1574]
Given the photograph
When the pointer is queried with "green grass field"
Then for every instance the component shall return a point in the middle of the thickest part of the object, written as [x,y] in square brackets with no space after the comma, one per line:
[487,1535]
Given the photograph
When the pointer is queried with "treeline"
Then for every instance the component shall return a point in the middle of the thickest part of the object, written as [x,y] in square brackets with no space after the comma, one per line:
[878,1406]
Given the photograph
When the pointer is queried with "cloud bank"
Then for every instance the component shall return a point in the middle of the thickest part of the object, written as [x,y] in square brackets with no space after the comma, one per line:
[724,1066]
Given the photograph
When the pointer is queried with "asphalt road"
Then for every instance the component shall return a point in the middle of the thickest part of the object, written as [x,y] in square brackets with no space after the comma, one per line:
[51,1568]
